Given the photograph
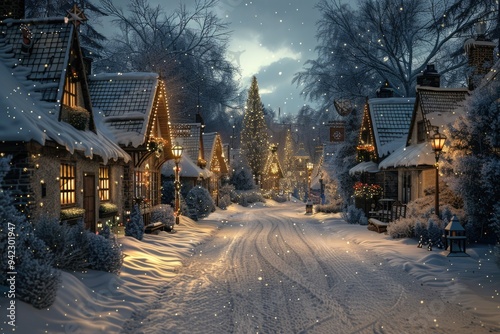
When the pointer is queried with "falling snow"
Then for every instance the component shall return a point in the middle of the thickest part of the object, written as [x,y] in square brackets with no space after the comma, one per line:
[272,269]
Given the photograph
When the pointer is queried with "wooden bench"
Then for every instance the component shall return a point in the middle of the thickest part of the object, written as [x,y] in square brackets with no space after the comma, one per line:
[377,225]
[154,228]
[382,218]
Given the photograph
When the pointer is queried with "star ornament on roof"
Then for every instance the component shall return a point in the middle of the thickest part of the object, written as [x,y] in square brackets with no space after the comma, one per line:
[76,15]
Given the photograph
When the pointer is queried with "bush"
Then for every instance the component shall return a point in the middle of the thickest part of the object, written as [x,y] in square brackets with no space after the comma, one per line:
[163,213]
[199,202]
[328,208]
[135,226]
[68,244]
[244,198]
[353,215]
[104,254]
[37,283]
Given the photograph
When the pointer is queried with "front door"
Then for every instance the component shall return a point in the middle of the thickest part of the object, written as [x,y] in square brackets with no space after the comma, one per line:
[89,198]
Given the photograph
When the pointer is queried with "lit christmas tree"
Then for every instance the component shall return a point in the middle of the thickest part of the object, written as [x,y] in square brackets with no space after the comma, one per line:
[254,138]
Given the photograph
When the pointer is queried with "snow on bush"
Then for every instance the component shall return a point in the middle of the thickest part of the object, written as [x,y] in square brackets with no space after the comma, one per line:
[225,194]
[68,244]
[354,215]
[36,281]
[199,202]
[135,226]
[245,198]
[104,254]
[163,213]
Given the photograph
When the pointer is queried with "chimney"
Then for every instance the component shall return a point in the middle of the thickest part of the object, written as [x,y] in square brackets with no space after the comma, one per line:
[386,90]
[430,77]
[480,52]
[13,9]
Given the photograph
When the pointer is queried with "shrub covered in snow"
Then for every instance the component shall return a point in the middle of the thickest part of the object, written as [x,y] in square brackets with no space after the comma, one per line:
[163,213]
[68,244]
[104,254]
[245,198]
[225,196]
[354,215]
[199,201]
[36,281]
[135,226]
[242,178]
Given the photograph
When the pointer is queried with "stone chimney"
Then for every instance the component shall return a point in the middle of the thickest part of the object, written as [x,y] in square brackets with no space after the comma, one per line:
[11,9]
[480,52]
[430,77]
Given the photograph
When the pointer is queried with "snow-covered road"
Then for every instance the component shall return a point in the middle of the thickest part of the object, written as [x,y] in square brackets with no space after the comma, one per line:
[269,272]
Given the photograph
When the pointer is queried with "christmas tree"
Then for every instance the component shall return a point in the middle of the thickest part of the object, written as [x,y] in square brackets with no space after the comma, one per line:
[135,226]
[254,136]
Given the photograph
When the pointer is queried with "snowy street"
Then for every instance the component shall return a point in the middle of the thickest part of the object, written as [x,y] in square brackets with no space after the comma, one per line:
[277,270]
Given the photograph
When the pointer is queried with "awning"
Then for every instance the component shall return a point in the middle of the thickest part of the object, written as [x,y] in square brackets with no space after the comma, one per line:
[364,167]
[413,155]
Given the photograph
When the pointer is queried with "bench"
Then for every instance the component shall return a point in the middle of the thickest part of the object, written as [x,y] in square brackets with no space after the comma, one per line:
[377,225]
[154,228]
[380,219]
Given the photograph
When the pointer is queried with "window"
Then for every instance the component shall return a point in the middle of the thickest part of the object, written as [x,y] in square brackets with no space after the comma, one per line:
[67,182]
[70,92]
[421,137]
[104,183]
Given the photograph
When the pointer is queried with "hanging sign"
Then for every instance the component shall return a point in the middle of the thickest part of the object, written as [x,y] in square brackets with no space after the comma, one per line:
[337,131]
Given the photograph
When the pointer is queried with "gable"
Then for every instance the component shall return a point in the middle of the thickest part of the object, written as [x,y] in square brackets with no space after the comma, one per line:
[127,103]
[391,119]
[435,107]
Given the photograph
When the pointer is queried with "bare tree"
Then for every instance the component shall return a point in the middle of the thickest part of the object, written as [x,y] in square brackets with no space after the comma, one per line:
[187,47]
[361,47]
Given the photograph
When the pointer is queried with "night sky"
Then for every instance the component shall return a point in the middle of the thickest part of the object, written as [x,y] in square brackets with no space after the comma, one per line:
[270,39]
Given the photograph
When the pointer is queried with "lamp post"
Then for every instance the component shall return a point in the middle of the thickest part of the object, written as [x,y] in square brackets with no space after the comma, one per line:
[177,152]
[310,167]
[437,143]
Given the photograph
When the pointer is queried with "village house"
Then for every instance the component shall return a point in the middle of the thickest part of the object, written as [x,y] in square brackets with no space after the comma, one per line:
[435,109]
[62,163]
[135,112]
[384,128]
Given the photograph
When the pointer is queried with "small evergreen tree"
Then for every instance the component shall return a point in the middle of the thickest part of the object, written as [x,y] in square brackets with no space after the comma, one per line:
[199,200]
[254,137]
[135,226]
[104,254]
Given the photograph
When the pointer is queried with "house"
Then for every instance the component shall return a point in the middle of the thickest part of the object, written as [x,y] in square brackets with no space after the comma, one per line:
[273,173]
[63,164]
[135,111]
[216,161]
[414,162]
[193,164]
[384,128]
[435,109]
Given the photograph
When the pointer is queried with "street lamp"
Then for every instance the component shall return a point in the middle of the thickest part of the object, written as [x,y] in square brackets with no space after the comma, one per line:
[310,167]
[437,143]
[177,152]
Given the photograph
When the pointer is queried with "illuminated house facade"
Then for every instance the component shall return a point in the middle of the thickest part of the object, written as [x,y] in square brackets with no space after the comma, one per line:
[135,112]
[62,164]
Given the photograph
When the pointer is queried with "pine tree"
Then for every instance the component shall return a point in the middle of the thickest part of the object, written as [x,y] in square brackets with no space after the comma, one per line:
[254,138]
[473,171]
[135,226]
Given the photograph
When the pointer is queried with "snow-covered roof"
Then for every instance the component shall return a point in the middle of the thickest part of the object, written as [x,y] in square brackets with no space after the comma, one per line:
[441,106]
[391,118]
[47,59]
[26,99]
[126,100]
[188,169]
[364,167]
[188,136]
[409,156]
